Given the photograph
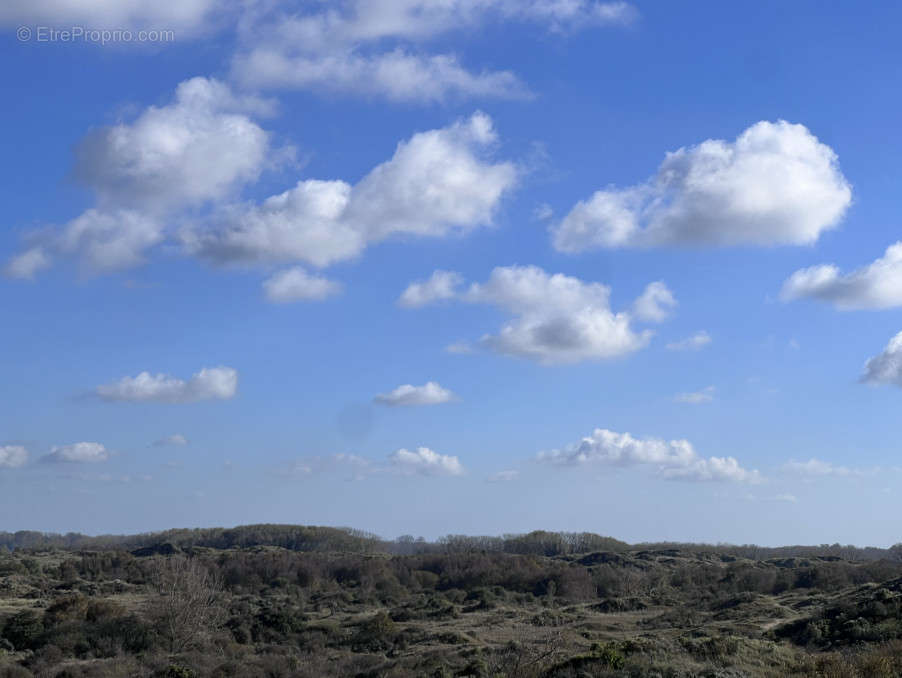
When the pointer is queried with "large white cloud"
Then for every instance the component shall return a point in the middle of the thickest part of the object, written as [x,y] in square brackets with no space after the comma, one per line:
[13,456]
[201,147]
[674,459]
[210,383]
[556,318]
[197,148]
[876,286]
[78,453]
[296,284]
[430,393]
[424,461]
[438,182]
[886,367]
[775,185]
[376,47]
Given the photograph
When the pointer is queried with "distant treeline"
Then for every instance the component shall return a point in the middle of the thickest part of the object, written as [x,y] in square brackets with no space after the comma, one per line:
[347,540]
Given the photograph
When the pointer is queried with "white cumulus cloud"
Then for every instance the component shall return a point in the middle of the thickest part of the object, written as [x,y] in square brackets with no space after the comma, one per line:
[296,284]
[441,286]
[886,367]
[876,286]
[775,185]
[430,393]
[674,459]
[13,456]
[655,304]
[556,318]
[424,461]
[77,453]
[210,383]
[199,148]
[437,183]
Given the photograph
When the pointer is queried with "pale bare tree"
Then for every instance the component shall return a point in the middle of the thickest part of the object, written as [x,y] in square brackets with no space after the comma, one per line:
[186,606]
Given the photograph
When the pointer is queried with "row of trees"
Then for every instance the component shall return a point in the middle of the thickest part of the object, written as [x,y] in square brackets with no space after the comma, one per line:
[347,540]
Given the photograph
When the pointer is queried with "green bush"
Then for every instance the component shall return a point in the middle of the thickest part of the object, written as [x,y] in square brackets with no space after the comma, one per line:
[23,630]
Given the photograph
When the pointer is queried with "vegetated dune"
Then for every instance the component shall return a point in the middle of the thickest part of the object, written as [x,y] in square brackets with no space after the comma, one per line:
[281,600]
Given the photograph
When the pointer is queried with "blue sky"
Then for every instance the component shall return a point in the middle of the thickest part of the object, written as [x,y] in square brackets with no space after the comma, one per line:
[459,267]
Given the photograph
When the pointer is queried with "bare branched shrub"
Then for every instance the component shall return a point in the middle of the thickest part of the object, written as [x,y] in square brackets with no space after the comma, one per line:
[187,608]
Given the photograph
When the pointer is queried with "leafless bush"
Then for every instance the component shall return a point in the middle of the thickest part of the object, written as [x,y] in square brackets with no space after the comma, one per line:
[187,608]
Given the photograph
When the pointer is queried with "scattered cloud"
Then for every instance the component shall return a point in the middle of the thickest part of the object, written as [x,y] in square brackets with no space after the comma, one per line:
[441,286]
[26,265]
[184,18]
[876,286]
[503,476]
[816,467]
[77,453]
[110,478]
[675,459]
[199,148]
[210,383]
[378,49]
[430,393]
[359,467]
[13,456]
[424,461]
[295,284]
[706,395]
[399,75]
[421,461]
[694,343]
[459,348]
[656,303]
[885,368]
[437,183]
[175,440]
[775,185]
[788,498]
[556,318]
[543,212]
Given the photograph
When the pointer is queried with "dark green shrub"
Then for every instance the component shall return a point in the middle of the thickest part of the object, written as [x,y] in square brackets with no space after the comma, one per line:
[23,630]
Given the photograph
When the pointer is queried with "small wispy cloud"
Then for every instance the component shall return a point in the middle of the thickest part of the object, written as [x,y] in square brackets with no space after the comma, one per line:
[693,343]
[175,440]
[406,395]
[77,453]
[706,395]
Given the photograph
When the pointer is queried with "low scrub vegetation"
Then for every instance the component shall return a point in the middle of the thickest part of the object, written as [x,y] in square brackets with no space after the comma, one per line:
[273,601]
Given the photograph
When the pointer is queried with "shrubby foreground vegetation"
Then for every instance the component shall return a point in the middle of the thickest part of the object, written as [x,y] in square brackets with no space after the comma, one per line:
[269,601]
